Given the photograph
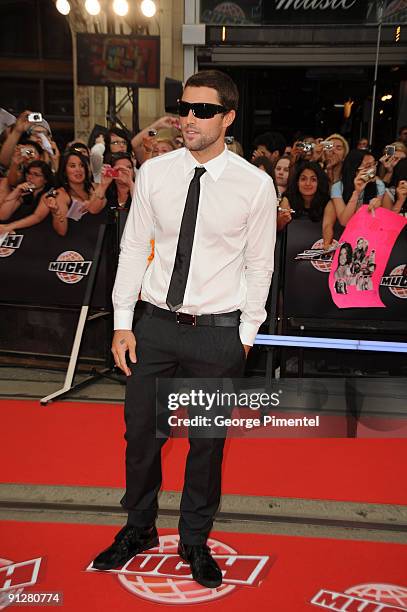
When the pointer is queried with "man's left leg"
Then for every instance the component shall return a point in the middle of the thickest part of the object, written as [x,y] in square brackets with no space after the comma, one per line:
[209,352]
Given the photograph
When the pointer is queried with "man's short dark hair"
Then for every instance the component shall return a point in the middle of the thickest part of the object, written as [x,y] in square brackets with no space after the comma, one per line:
[226,88]
[273,141]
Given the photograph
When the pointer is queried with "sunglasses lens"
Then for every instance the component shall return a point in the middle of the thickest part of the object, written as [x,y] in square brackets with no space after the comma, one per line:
[183,108]
[205,111]
[201,110]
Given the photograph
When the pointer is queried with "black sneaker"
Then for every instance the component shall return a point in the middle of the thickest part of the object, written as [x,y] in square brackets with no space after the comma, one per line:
[129,542]
[204,568]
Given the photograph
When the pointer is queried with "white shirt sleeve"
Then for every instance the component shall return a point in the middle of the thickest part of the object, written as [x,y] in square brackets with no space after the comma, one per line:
[259,261]
[135,249]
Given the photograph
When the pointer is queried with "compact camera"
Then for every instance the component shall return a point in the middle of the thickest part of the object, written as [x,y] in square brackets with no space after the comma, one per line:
[306,147]
[229,140]
[369,174]
[327,144]
[51,193]
[152,133]
[390,150]
[111,172]
[27,153]
[30,188]
[34,117]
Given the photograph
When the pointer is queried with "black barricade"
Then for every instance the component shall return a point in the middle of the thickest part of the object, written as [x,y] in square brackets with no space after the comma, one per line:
[39,267]
[306,290]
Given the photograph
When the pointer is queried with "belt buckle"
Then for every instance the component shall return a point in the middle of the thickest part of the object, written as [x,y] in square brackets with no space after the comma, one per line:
[186,319]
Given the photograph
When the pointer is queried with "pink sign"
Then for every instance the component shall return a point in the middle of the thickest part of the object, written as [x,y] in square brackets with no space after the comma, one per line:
[361,259]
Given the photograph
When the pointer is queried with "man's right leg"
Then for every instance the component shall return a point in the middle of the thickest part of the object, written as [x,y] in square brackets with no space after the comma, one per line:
[156,357]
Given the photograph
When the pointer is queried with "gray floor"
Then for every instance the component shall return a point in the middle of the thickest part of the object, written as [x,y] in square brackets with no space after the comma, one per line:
[247,514]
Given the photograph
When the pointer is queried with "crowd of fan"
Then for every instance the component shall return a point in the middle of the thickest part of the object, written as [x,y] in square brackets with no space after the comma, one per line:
[318,178]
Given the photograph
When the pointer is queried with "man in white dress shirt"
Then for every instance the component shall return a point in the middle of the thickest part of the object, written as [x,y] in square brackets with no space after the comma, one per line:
[212,216]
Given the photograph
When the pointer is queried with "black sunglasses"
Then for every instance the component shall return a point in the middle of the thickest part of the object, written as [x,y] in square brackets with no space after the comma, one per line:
[201,110]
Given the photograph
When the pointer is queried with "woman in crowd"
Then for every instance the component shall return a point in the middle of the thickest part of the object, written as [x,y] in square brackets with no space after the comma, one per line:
[395,198]
[115,141]
[389,162]
[359,185]
[116,192]
[334,158]
[163,146]
[281,173]
[163,123]
[71,199]
[308,194]
[24,199]
[44,207]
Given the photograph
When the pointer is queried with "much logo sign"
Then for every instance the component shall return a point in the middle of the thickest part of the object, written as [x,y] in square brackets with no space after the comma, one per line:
[373,597]
[70,267]
[161,576]
[396,282]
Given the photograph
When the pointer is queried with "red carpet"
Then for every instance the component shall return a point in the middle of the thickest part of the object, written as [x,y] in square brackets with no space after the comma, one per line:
[278,573]
[82,444]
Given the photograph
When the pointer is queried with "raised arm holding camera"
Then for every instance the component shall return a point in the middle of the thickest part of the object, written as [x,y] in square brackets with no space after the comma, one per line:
[359,185]
[116,186]
[38,178]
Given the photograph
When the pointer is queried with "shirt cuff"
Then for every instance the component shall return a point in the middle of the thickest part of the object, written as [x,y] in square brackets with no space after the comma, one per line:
[123,319]
[248,333]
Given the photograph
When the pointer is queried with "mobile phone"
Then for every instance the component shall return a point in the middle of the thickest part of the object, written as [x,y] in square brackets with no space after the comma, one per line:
[152,133]
[110,172]
[390,150]
[34,117]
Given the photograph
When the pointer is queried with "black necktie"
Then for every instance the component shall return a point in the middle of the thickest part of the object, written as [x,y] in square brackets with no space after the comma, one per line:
[179,277]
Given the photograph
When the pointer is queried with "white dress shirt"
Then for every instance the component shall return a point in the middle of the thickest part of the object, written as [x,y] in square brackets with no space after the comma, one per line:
[233,251]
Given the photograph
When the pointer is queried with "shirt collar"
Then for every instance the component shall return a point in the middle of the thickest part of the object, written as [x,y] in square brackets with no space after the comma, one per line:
[214,166]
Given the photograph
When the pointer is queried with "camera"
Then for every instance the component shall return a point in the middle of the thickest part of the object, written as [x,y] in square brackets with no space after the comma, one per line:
[229,140]
[51,193]
[369,174]
[152,133]
[110,172]
[34,117]
[327,144]
[27,153]
[29,189]
[306,147]
[390,150]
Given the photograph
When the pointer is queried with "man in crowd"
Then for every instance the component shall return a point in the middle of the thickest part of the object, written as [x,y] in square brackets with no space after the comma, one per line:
[213,218]
[271,145]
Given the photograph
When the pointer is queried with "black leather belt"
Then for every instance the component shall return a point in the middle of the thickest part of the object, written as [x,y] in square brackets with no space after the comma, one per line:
[226,319]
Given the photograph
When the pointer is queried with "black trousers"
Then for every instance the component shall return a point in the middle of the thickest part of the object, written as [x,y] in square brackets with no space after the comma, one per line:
[166,349]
